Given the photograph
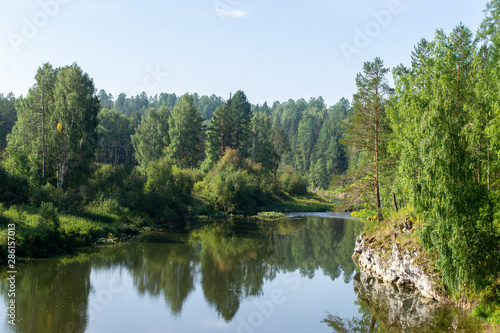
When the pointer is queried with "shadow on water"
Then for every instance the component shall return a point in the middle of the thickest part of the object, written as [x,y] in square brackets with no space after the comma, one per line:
[387,307]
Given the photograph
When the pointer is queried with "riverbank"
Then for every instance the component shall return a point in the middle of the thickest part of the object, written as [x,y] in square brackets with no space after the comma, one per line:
[43,231]
[393,253]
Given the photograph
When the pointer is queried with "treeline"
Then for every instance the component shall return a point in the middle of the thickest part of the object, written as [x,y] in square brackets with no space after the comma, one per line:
[304,136]
[67,148]
[48,139]
[138,105]
[431,143]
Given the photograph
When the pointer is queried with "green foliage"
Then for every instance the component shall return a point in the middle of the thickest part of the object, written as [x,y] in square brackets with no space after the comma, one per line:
[13,188]
[263,151]
[28,153]
[328,157]
[186,133]
[114,132]
[487,312]
[439,165]
[45,237]
[151,138]
[49,194]
[270,216]
[121,183]
[8,118]
[229,128]
[233,185]
[168,189]
[48,221]
[73,125]
[291,182]
[368,128]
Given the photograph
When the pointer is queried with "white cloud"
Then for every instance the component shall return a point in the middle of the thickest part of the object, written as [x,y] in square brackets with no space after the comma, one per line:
[235,13]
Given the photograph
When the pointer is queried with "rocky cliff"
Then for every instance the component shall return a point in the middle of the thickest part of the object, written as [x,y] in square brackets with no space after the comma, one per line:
[397,264]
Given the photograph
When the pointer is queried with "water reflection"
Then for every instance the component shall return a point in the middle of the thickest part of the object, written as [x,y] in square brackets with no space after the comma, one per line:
[51,297]
[219,267]
[390,308]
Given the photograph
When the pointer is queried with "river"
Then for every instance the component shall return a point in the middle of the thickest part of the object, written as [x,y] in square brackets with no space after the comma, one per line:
[294,275]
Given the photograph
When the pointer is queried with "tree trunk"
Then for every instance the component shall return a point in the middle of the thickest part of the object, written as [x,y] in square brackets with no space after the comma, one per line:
[479,166]
[373,321]
[395,202]
[43,133]
[488,174]
[377,188]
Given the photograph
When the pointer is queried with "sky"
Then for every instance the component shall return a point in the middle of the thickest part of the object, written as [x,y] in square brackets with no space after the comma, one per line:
[273,50]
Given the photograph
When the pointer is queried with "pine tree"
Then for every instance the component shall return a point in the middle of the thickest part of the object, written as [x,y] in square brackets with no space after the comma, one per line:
[262,146]
[186,133]
[230,128]
[368,127]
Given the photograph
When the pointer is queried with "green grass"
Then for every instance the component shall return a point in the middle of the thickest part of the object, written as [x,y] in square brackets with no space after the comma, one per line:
[36,238]
[308,203]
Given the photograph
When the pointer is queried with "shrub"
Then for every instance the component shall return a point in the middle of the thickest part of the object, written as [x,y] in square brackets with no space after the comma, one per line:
[49,194]
[168,189]
[12,187]
[292,183]
[48,221]
[121,183]
[233,185]
[45,237]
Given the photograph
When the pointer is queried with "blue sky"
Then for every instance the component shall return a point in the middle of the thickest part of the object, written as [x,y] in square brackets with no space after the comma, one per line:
[272,50]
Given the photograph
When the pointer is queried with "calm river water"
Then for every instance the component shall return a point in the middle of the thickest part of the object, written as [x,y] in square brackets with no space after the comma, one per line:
[295,275]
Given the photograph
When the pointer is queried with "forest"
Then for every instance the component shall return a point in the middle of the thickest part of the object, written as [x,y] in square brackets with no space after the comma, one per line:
[74,159]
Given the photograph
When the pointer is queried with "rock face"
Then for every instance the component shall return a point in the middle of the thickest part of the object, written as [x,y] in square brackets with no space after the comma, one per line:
[397,266]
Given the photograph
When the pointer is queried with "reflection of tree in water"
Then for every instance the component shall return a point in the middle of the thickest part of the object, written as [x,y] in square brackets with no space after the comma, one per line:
[165,270]
[387,308]
[52,297]
[232,260]
[318,243]
[241,256]
[366,324]
[158,269]
[231,267]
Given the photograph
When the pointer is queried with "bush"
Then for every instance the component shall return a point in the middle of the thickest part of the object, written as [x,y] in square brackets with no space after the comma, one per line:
[49,194]
[168,189]
[233,185]
[120,183]
[12,188]
[48,221]
[45,237]
[292,183]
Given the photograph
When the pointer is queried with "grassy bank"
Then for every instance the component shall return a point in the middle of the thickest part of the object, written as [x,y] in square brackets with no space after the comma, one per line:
[44,230]
[311,202]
